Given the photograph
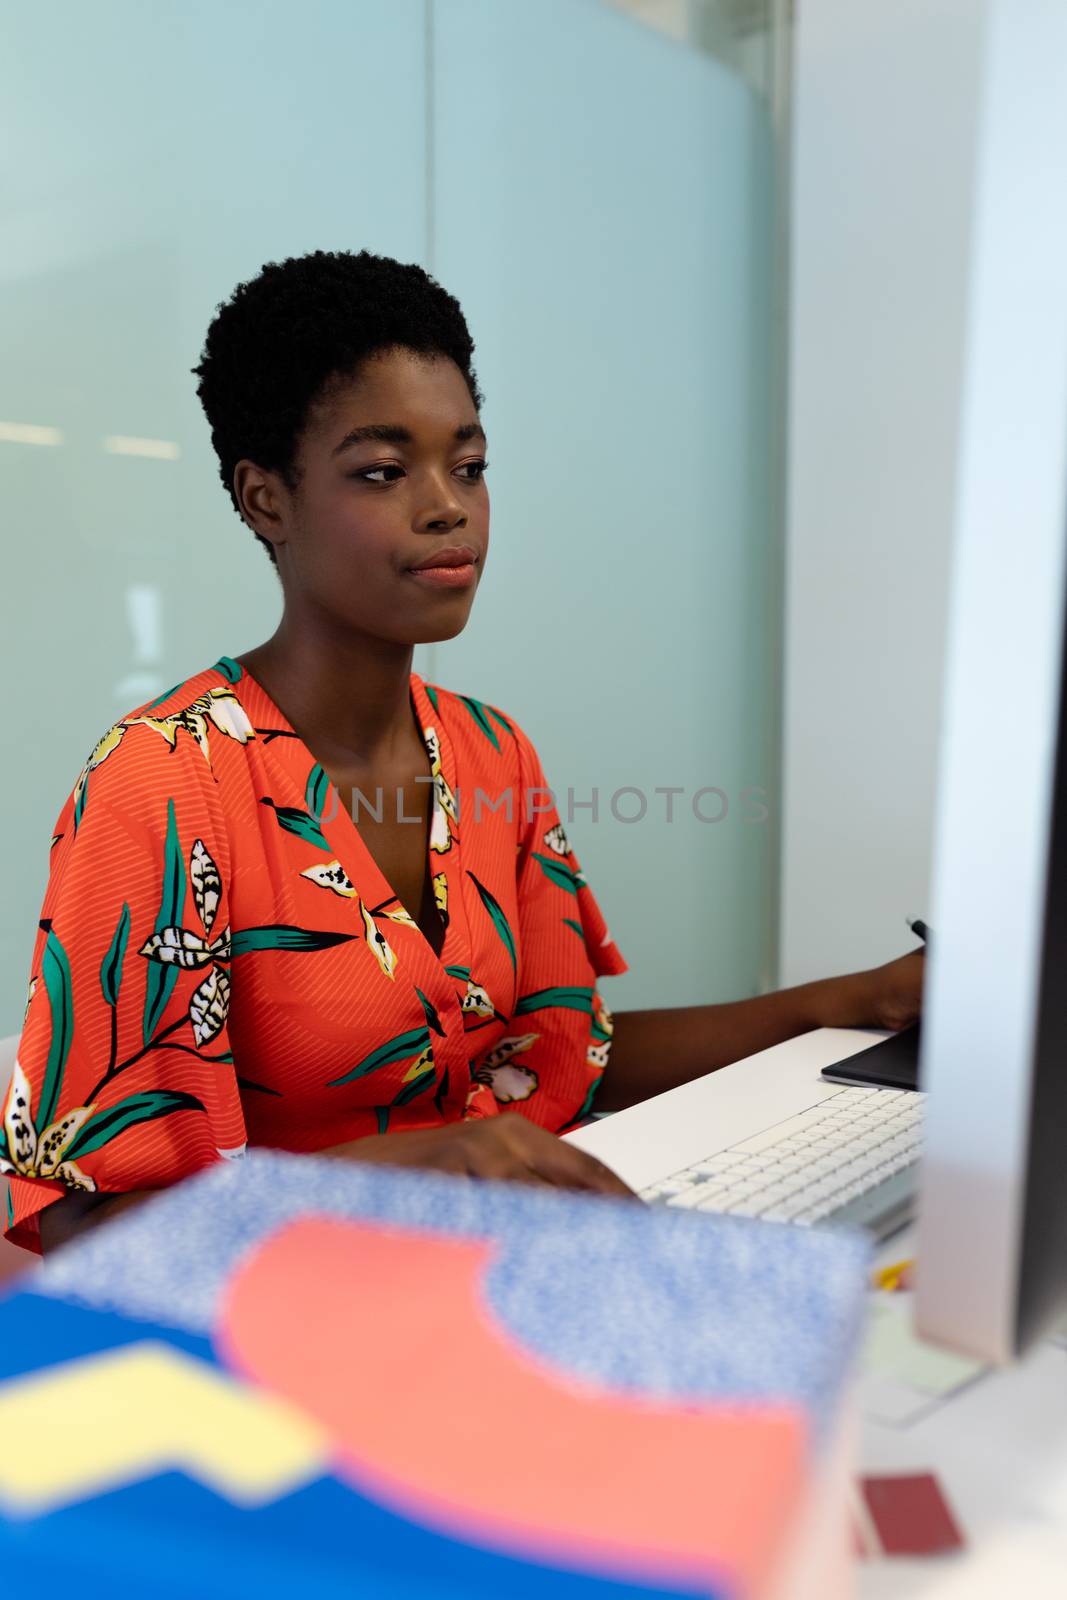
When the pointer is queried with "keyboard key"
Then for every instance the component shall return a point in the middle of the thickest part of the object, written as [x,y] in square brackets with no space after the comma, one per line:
[714,1165]
[775,1135]
[747,1186]
[689,1199]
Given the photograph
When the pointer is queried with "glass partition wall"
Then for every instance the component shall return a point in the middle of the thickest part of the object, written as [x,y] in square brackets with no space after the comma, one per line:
[601,197]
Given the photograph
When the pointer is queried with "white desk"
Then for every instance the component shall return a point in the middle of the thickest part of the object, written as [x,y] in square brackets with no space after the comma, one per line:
[998,1447]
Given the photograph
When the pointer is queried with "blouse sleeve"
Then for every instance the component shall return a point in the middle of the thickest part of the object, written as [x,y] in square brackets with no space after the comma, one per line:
[124,1078]
[565,946]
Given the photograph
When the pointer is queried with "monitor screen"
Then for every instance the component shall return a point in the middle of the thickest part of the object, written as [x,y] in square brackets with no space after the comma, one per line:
[992,1254]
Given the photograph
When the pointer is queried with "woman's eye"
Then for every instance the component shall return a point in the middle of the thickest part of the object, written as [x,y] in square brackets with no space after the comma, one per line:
[390,471]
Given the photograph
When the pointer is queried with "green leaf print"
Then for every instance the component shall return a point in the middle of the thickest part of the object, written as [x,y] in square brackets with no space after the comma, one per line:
[559,874]
[229,669]
[10,1207]
[256,1088]
[598,1030]
[79,804]
[162,976]
[158,701]
[579,930]
[136,1108]
[568,999]
[282,936]
[462,973]
[55,969]
[318,787]
[478,712]
[300,823]
[398,1048]
[431,694]
[381,1114]
[500,921]
[417,1086]
[111,966]
[432,1019]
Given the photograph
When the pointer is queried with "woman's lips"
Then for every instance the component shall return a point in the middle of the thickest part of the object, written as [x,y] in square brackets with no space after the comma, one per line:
[450,568]
[445,577]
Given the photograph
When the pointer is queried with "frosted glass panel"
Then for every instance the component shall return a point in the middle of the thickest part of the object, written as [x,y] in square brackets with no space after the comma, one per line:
[599,198]
[603,209]
[157,155]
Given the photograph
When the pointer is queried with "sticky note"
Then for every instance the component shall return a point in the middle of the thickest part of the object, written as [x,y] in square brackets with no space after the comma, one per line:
[910,1515]
[903,1376]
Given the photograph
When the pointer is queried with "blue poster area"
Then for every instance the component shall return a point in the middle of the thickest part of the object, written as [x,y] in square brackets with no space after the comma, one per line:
[646,1301]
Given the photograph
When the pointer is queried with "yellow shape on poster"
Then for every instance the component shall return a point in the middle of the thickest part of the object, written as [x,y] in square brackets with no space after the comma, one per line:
[94,1424]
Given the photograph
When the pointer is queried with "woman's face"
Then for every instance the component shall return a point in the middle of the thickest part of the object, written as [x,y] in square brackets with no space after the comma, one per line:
[391,468]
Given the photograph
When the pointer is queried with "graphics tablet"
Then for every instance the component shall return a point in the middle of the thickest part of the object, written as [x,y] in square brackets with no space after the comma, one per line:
[892,1063]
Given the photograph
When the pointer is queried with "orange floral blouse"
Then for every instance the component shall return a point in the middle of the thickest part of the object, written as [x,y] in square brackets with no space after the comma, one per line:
[221,962]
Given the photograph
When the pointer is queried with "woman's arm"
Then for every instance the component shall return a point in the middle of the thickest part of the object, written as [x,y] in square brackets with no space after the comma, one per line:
[656,1050]
[77,1212]
[504,1147]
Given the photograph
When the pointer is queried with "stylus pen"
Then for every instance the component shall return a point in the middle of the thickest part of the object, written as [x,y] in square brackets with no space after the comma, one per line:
[919,928]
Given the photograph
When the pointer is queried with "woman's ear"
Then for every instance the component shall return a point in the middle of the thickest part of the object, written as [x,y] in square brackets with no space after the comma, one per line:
[262,501]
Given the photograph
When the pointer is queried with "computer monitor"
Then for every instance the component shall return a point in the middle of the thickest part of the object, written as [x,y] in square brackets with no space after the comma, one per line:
[992,1250]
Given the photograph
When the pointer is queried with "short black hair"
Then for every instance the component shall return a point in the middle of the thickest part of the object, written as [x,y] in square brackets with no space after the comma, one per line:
[274,347]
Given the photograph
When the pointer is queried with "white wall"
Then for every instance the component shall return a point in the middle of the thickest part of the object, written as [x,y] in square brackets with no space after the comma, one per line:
[885,99]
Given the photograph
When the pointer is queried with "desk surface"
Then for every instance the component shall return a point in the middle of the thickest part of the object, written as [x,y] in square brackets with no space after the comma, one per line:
[998,1446]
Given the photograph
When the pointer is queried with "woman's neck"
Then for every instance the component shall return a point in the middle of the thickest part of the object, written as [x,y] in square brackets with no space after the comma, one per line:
[345,694]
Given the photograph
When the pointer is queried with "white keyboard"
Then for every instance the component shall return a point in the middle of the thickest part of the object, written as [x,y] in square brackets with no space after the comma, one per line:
[849,1159]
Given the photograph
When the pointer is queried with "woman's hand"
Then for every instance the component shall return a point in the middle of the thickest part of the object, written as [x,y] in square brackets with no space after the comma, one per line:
[889,996]
[507,1146]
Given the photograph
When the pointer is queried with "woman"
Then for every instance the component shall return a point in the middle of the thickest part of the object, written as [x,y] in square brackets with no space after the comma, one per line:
[304,899]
